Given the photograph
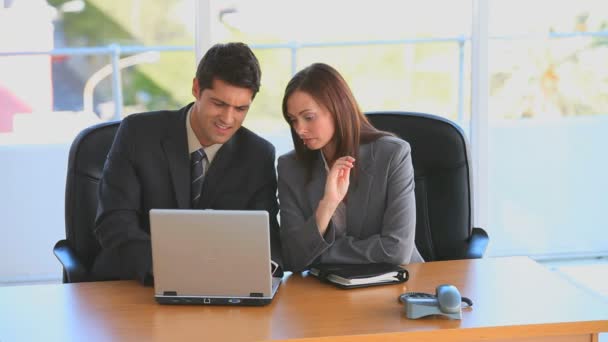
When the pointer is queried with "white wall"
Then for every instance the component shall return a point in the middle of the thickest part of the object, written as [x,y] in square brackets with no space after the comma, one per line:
[33,167]
[548,187]
[32,187]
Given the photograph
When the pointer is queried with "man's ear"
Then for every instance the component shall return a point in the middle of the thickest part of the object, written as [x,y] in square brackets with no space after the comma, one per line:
[195,88]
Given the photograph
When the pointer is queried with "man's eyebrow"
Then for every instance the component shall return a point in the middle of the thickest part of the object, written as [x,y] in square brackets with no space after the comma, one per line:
[217,99]
[213,98]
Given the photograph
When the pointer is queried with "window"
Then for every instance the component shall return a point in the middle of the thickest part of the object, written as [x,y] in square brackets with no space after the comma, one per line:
[547,117]
[47,98]
[395,55]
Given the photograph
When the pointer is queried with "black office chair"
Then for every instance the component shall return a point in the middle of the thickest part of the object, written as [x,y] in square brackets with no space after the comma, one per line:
[85,165]
[443,184]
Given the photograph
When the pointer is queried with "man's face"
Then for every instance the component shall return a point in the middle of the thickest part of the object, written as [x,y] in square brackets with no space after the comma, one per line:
[218,112]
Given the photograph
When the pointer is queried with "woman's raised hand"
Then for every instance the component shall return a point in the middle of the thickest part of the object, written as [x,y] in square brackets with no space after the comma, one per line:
[338,179]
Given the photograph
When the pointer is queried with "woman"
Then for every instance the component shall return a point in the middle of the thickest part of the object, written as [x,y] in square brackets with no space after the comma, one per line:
[346,193]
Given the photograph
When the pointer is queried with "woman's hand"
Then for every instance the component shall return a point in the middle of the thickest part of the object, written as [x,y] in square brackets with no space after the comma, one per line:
[338,179]
[336,187]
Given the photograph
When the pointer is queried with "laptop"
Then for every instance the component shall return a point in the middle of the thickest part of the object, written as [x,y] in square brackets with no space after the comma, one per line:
[215,257]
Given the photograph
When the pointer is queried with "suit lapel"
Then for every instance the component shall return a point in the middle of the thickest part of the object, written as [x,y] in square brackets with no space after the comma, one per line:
[175,146]
[358,192]
[217,171]
[316,187]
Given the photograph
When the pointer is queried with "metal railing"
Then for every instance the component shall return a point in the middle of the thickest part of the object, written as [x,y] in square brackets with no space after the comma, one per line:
[115,51]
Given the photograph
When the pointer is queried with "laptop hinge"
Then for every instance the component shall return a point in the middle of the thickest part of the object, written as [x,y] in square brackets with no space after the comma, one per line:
[256,294]
[170,293]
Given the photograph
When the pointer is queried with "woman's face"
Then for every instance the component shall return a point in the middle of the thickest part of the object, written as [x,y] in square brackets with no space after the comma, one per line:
[312,122]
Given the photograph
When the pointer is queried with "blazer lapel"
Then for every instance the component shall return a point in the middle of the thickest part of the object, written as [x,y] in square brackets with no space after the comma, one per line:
[216,172]
[358,192]
[316,187]
[175,146]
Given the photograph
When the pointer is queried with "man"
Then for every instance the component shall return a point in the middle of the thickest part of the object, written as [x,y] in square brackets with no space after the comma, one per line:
[196,157]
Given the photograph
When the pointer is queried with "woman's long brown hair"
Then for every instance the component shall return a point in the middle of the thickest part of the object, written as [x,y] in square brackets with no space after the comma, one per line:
[329,89]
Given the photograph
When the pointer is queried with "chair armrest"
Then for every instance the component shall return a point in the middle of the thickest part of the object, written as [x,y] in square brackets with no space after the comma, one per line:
[73,269]
[477,244]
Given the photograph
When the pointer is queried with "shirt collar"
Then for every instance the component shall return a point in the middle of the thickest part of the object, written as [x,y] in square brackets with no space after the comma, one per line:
[324,161]
[193,142]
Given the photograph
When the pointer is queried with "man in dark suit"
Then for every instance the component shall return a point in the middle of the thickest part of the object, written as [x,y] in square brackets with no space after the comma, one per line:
[196,157]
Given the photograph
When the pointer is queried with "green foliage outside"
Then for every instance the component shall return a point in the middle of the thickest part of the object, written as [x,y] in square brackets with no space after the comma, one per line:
[167,82]
[527,78]
[378,74]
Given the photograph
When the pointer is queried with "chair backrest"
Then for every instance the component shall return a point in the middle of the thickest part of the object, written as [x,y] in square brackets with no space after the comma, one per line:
[85,165]
[442,178]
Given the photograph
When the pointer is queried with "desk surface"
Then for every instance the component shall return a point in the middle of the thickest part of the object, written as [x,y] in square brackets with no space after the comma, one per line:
[513,298]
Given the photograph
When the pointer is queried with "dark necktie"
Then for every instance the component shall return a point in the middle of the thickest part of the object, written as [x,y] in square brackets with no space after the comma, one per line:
[198,160]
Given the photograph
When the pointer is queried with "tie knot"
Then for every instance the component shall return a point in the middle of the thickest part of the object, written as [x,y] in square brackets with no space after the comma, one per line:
[197,155]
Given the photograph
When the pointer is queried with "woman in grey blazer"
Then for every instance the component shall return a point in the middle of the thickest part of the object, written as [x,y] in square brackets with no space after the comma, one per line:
[346,193]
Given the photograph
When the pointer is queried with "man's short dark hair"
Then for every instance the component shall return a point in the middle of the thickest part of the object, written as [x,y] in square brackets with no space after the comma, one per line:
[233,63]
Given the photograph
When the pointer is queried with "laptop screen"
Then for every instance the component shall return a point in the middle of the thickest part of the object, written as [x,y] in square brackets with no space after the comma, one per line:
[211,253]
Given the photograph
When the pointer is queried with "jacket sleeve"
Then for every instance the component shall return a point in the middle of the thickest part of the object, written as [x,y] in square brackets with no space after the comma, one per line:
[394,242]
[300,237]
[117,225]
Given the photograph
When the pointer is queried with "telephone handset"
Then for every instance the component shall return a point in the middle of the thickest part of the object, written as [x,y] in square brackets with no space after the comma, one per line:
[446,301]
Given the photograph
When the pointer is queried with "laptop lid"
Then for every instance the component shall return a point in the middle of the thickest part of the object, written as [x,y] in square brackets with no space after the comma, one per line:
[211,256]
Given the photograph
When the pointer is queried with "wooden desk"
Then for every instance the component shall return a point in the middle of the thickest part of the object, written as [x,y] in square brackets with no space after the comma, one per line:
[515,299]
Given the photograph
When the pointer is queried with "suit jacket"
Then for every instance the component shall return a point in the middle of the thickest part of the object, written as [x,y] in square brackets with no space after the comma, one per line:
[148,167]
[380,209]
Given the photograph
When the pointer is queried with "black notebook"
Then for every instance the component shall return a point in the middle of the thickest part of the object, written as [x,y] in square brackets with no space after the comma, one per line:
[359,275]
